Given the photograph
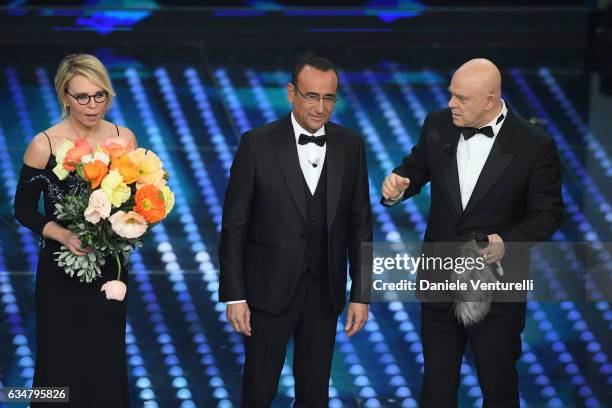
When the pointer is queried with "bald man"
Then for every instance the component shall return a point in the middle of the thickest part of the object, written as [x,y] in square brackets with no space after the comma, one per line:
[492,174]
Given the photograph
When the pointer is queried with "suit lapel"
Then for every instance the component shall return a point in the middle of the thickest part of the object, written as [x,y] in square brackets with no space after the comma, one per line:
[335,169]
[448,149]
[499,159]
[287,155]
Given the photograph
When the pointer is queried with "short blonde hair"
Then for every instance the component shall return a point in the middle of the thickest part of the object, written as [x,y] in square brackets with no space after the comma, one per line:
[88,66]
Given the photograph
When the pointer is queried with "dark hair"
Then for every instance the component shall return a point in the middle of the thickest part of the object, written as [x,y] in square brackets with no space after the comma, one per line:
[315,61]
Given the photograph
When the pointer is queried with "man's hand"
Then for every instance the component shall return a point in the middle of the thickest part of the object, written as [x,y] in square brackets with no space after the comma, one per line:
[356,316]
[394,186]
[495,251]
[239,315]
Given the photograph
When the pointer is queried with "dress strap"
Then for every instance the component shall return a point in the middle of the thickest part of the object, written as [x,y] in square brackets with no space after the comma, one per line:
[117,127]
[49,140]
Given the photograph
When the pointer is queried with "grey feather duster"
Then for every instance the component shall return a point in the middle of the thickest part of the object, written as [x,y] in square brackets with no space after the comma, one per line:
[471,306]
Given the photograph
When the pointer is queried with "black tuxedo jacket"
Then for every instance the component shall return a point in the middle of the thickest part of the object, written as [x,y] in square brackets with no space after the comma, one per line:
[263,237]
[518,193]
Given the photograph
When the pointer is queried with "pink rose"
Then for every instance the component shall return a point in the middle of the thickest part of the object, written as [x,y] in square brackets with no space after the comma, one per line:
[114,289]
[99,207]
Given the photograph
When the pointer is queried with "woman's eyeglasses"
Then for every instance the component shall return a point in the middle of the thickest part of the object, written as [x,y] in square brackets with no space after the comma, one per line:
[84,99]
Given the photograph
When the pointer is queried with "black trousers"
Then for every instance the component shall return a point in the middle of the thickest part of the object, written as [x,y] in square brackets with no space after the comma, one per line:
[312,322]
[496,347]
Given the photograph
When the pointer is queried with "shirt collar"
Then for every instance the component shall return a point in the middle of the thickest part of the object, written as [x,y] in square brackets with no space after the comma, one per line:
[298,130]
[496,126]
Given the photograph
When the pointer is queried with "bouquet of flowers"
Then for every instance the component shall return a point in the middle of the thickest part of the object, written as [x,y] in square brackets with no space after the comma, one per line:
[117,195]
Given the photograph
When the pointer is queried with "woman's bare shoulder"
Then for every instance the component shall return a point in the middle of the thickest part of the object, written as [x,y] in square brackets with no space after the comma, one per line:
[127,134]
[38,152]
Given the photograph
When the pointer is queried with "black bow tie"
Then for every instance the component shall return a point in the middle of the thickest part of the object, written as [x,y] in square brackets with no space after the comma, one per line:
[487,130]
[468,132]
[318,140]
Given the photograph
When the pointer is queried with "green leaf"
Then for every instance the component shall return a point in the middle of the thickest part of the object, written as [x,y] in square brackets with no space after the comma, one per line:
[79,170]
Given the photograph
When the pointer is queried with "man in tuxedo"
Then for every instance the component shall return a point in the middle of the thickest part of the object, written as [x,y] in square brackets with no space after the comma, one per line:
[296,205]
[491,172]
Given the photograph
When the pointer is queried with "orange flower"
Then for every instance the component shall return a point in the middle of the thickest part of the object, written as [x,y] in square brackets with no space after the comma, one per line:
[95,172]
[73,156]
[150,203]
[127,168]
[116,146]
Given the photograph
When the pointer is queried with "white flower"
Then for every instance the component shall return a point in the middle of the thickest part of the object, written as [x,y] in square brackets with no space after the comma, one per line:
[103,157]
[128,225]
[114,289]
[99,207]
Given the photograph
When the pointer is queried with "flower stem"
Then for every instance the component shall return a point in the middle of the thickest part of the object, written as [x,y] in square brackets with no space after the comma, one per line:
[118,266]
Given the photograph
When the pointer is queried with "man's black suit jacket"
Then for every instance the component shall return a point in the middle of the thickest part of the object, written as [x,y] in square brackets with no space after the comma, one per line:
[263,235]
[518,193]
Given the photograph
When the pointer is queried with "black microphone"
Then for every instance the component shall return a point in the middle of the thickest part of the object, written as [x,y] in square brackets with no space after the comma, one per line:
[482,240]
[314,163]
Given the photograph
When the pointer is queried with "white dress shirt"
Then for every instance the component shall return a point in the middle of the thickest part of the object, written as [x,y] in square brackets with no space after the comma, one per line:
[472,155]
[308,154]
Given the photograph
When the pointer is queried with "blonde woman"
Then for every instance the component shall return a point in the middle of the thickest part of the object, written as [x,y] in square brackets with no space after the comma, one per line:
[80,334]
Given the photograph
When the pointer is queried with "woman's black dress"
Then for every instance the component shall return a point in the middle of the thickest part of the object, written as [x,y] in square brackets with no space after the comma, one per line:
[80,335]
